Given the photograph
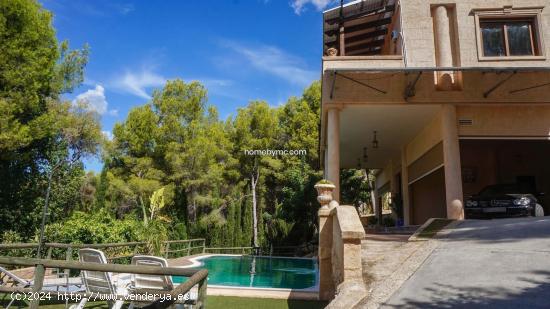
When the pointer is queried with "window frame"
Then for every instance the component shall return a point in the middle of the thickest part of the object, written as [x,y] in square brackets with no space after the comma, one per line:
[508,14]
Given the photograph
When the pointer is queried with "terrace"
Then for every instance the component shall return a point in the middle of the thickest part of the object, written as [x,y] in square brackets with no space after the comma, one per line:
[362,34]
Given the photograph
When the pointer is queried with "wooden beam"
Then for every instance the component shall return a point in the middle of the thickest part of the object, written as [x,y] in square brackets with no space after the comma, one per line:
[115,268]
[365,36]
[37,285]
[366,52]
[370,44]
[361,27]
[329,39]
[383,10]
[342,44]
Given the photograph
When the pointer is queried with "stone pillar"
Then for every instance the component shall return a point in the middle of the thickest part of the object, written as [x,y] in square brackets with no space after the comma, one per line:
[451,159]
[328,205]
[333,150]
[376,206]
[405,187]
[393,183]
[443,46]
[326,283]
[393,179]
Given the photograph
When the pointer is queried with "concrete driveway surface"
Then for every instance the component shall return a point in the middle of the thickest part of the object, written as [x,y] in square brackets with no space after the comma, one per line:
[500,263]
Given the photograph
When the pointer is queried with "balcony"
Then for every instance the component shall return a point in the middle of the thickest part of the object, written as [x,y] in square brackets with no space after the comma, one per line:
[362,34]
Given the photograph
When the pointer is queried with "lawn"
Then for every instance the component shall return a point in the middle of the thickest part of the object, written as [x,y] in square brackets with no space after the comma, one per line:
[432,229]
[223,302]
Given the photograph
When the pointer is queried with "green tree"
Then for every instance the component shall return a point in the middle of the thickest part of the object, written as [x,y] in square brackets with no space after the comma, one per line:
[34,71]
[299,122]
[256,128]
[133,163]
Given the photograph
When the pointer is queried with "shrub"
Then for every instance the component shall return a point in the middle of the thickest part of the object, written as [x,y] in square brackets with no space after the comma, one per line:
[99,227]
[388,221]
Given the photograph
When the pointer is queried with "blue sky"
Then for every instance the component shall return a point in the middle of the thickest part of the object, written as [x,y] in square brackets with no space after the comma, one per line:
[241,50]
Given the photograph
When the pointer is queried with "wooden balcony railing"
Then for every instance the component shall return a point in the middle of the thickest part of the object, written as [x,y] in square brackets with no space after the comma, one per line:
[114,251]
[195,277]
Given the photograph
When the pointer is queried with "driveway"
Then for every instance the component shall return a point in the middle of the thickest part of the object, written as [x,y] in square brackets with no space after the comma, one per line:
[501,263]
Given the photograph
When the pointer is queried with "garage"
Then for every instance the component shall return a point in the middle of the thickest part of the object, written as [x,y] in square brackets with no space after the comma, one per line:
[427,186]
[524,162]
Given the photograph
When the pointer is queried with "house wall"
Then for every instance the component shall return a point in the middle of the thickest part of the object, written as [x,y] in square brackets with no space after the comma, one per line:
[516,120]
[419,32]
[428,198]
[425,140]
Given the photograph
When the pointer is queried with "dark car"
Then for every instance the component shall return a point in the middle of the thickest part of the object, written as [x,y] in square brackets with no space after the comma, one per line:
[503,199]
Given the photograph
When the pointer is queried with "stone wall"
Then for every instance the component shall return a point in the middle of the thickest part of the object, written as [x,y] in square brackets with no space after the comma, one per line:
[419,31]
[340,256]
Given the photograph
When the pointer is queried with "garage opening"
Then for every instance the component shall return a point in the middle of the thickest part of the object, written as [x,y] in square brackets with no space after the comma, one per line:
[428,197]
[427,186]
[522,162]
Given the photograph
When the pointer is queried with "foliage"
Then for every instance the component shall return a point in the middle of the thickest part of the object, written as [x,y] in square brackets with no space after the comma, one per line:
[324,182]
[388,221]
[276,225]
[154,234]
[156,203]
[36,128]
[11,237]
[171,160]
[105,229]
[355,187]
[397,205]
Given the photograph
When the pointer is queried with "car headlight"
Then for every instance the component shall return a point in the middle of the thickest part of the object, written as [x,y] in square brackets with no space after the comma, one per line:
[524,201]
[470,203]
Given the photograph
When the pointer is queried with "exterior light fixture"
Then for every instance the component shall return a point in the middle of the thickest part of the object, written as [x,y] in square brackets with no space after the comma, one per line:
[365,156]
[375,141]
[359,163]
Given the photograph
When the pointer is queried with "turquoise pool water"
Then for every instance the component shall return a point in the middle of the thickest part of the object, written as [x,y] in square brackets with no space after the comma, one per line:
[260,272]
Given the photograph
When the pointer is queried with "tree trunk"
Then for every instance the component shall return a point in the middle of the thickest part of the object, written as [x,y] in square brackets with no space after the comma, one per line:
[145,220]
[44,215]
[254,181]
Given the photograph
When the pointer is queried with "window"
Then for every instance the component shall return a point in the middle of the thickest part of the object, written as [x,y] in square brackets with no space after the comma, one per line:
[508,38]
[509,34]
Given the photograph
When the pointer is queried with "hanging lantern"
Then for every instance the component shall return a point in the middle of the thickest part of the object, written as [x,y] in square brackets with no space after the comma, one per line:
[375,141]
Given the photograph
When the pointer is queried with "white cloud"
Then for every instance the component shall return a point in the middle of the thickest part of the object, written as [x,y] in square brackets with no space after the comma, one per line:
[299,5]
[125,8]
[96,101]
[108,135]
[276,62]
[137,83]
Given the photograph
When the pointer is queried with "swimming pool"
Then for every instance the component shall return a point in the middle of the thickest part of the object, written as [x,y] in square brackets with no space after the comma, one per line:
[258,271]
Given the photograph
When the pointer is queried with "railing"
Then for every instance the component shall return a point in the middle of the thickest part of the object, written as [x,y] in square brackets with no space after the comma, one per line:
[121,252]
[230,250]
[174,247]
[266,251]
[196,277]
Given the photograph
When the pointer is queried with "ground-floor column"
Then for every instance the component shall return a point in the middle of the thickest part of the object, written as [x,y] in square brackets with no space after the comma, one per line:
[333,150]
[451,159]
[376,205]
[393,179]
[394,183]
[405,187]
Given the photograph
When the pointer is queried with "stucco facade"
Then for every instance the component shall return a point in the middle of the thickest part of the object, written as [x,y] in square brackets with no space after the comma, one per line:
[429,89]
